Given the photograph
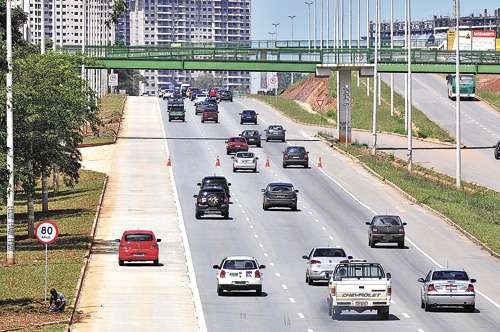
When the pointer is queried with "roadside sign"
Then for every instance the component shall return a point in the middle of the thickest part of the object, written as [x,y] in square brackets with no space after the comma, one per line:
[320,102]
[272,81]
[113,80]
[46,232]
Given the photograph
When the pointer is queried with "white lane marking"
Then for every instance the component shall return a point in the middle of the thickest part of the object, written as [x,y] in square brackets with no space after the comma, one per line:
[272,264]
[310,212]
[277,274]
[330,237]
[406,315]
[310,330]
[392,301]
[256,236]
[235,199]
[323,228]
[420,330]
[261,245]
[239,205]
[429,257]
[243,211]
[187,249]
[284,287]
[251,226]
[266,254]
[301,315]
[316,220]
[291,299]
[304,207]
[247,219]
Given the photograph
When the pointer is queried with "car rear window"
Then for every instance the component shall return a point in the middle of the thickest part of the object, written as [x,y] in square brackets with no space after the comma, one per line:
[240,264]
[250,133]
[219,182]
[329,252]
[237,139]
[248,112]
[387,221]
[138,237]
[244,155]
[359,271]
[296,149]
[275,127]
[210,110]
[281,188]
[450,275]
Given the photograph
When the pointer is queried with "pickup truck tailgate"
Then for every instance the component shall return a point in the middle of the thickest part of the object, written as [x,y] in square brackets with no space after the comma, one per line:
[360,292]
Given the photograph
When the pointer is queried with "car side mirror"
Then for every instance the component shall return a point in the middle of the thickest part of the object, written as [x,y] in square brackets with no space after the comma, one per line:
[473,280]
[158,240]
[368,223]
[305,257]
[228,184]
[239,113]
[296,191]
[195,196]
[349,257]
[262,266]
[232,157]
[388,275]
[256,158]
[117,240]
[216,267]
[263,190]
[327,275]
[404,224]
[198,184]
[421,280]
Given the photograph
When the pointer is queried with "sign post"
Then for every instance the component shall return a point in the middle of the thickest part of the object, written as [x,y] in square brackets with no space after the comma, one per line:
[46,233]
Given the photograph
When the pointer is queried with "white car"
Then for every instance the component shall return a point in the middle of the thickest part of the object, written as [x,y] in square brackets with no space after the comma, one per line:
[245,160]
[200,98]
[322,261]
[239,273]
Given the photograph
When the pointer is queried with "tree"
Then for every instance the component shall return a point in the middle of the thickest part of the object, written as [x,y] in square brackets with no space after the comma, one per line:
[128,80]
[207,81]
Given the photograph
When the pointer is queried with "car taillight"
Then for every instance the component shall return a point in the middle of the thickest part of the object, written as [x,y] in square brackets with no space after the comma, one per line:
[285,156]
[154,246]
[401,230]
[222,274]
[431,288]
[257,274]
[374,230]
[333,290]
[470,288]
[226,200]
[389,291]
[315,262]
[198,200]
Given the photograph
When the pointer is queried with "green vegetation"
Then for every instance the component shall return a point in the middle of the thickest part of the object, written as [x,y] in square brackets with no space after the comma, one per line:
[73,209]
[492,97]
[363,110]
[475,209]
[293,110]
[110,114]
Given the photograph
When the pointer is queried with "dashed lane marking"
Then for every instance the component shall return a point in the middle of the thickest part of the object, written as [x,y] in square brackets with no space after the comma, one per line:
[256,236]
[243,211]
[291,299]
[406,315]
[266,254]
[330,237]
[284,287]
[251,226]
[277,274]
[301,315]
[271,264]
[247,219]
[323,228]
[261,245]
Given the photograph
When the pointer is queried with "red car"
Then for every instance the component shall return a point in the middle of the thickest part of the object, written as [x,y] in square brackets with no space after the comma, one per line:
[235,144]
[138,246]
[210,114]
[212,92]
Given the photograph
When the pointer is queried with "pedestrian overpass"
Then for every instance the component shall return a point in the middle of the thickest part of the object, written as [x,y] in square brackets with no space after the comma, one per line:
[284,56]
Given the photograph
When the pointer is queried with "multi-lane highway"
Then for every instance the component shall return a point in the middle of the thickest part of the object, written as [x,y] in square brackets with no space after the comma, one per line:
[334,203]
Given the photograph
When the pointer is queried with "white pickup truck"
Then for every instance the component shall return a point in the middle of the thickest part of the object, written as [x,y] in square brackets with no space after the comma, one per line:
[359,287]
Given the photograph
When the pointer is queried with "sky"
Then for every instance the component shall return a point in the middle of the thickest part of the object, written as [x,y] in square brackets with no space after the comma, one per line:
[267,12]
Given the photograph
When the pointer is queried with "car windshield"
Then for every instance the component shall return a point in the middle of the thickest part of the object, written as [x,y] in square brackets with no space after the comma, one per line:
[239,264]
[466,79]
[281,188]
[138,237]
[248,112]
[237,139]
[450,275]
[358,271]
[329,252]
[387,221]
[275,127]
[244,155]
[206,193]
[296,149]
[214,182]
[250,133]
[210,110]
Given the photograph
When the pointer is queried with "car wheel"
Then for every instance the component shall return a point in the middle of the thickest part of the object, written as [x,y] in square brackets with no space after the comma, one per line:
[198,215]
[401,244]
[202,121]
[156,262]
[422,304]
[258,291]
[228,152]
[307,279]
[285,165]
[225,215]
[169,120]
[310,282]
[283,140]
[234,170]
[336,313]
[260,145]
[183,119]
[470,308]
[371,243]
[241,122]
[294,207]
[427,307]
[121,262]
[383,313]
[265,206]
[220,291]
[267,139]
[255,170]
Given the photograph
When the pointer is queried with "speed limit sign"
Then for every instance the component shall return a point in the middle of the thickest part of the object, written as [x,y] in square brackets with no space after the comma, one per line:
[46,232]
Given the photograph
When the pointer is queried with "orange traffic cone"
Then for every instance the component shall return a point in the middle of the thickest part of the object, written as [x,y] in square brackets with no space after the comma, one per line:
[320,163]
[169,162]
[217,162]
[268,163]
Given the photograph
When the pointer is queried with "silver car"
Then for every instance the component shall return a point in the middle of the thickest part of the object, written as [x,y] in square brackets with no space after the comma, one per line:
[322,261]
[245,160]
[447,288]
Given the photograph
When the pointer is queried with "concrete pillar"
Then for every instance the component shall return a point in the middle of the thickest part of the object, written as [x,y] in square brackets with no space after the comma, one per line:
[345,104]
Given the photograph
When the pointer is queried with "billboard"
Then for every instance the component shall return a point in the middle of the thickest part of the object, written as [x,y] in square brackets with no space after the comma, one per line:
[498,44]
[483,40]
[465,37]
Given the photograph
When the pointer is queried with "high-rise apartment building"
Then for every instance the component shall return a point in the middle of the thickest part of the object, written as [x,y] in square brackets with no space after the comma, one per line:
[162,22]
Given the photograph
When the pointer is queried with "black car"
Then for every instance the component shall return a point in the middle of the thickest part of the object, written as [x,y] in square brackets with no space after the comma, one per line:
[193,92]
[279,195]
[212,201]
[275,132]
[386,229]
[248,116]
[206,105]
[252,137]
[295,155]
[497,150]
[215,181]
[225,95]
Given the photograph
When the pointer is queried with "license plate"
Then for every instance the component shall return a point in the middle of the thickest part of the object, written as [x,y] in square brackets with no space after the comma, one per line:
[139,254]
[233,274]
[239,282]
[360,303]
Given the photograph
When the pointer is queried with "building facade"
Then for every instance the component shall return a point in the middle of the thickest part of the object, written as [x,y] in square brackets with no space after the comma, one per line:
[162,22]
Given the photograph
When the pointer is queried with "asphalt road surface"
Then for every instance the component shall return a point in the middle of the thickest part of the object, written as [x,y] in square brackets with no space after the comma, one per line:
[334,203]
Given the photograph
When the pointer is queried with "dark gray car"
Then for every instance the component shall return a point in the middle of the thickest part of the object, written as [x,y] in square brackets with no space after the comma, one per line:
[279,195]
[212,201]
[275,133]
[386,229]
[497,150]
[295,155]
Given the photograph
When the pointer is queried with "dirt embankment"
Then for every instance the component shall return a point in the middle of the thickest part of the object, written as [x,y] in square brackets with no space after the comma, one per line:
[310,90]
[489,83]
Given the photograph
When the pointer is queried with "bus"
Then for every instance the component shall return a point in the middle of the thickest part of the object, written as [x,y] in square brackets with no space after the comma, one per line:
[467,86]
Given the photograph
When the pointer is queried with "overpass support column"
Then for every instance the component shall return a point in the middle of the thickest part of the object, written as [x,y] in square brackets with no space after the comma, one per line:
[345,106]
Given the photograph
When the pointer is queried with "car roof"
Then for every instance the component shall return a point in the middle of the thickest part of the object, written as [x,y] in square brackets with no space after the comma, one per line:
[385,215]
[447,269]
[244,152]
[295,147]
[214,177]
[241,257]
[335,247]
[248,110]
[280,184]
[138,231]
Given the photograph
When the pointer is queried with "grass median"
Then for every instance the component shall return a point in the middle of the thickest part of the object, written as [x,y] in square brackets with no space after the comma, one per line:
[22,292]
[492,97]
[476,209]
[110,114]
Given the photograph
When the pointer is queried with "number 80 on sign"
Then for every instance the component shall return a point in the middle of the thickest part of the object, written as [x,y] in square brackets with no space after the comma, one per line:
[46,232]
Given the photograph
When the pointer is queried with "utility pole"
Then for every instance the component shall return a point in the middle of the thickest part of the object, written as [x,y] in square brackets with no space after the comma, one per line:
[309,23]
[322,25]
[457,99]
[53,14]
[327,23]
[61,24]
[11,240]
[375,81]
[410,148]
[291,19]
[341,12]
[42,27]
[368,41]
[379,32]
[359,35]
[392,47]
[406,75]
[315,18]
[350,25]
[84,35]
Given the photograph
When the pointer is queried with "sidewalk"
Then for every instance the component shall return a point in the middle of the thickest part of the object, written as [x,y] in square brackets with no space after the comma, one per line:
[139,196]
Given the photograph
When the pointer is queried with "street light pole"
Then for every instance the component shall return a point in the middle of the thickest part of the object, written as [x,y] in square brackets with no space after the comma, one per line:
[359,35]
[276,25]
[392,46]
[42,27]
[410,148]
[314,30]
[309,23]
[368,41]
[379,32]
[291,19]
[327,23]
[322,24]
[457,98]
[375,81]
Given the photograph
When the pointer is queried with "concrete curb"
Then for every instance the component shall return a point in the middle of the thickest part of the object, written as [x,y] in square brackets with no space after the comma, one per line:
[493,107]
[414,200]
[83,271]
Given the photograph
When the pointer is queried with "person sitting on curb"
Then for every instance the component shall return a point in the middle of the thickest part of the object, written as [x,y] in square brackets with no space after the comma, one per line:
[57,301]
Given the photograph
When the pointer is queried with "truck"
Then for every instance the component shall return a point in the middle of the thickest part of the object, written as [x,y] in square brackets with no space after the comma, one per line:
[176,109]
[359,286]
[467,86]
